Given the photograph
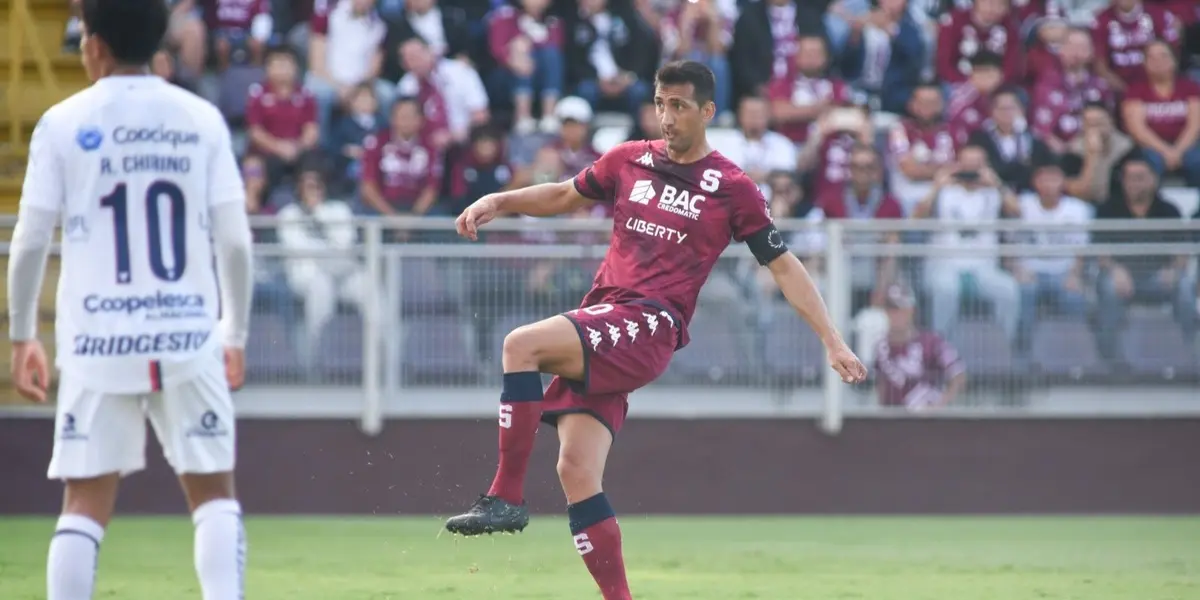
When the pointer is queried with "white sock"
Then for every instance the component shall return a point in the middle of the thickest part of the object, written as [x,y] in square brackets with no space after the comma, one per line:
[220,549]
[71,565]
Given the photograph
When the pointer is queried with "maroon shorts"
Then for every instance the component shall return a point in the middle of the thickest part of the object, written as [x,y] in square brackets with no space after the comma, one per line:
[625,347]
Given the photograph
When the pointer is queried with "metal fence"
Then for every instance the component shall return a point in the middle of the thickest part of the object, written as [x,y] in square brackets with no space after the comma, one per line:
[410,320]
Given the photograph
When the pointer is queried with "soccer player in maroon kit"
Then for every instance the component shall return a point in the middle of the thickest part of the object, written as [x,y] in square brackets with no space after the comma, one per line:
[677,203]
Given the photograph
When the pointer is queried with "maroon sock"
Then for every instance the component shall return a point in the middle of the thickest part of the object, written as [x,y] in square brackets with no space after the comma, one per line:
[598,540]
[520,413]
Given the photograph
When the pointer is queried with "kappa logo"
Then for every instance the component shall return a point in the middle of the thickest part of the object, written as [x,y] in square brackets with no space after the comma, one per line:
[666,315]
[642,192]
[631,328]
[646,160]
[614,333]
[594,338]
[651,322]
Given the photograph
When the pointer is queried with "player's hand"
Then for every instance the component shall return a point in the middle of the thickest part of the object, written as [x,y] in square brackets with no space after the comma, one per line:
[30,371]
[479,213]
[847,365]
[235,367]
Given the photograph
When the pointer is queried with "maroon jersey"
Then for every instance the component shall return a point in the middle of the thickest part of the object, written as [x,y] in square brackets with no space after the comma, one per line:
[959,39]
[282,116]
[805,91]
[433,107]
[671,222]
[1058,100]
[833,162]
[234,14]
[401,168]
[913,373]
[927,145]
[672,33]
[318,22]
[1121,38]
[507,24]
[575,161]
[785,35]
[1166,116]
[967,111]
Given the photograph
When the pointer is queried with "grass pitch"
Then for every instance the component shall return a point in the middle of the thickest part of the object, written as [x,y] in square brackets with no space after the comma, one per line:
[668,559]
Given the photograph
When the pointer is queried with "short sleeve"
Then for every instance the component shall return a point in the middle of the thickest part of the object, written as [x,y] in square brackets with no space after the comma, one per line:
[370,159]
[43,188]
[310,109]
[751,213]
[599,180]
[224,177]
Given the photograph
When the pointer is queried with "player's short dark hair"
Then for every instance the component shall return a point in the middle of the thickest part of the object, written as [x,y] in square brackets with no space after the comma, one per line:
[987,58]
[132,29]
[683,72]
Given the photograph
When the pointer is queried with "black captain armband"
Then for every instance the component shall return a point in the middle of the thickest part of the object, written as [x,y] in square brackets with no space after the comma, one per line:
[767,244]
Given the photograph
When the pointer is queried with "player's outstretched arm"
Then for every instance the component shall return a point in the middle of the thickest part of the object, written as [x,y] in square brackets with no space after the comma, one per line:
[542,200]
[802,293]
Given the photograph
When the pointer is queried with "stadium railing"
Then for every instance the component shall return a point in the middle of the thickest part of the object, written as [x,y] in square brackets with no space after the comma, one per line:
[421,315]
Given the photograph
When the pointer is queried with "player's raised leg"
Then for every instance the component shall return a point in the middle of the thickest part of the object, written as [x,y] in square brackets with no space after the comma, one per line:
[548,346]
[583,451]
[194,420]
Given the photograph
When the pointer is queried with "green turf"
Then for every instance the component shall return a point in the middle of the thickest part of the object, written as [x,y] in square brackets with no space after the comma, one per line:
[668,559]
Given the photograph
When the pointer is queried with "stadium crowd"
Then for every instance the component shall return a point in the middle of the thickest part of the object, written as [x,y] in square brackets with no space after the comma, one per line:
[1037,110]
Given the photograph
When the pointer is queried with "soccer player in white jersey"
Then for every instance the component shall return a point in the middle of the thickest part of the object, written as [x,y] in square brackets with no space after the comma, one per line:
[143,178]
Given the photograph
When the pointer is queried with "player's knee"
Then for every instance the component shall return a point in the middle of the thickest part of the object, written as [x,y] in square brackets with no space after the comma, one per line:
[201,489]
[93,498]
[576,471]
[522,349]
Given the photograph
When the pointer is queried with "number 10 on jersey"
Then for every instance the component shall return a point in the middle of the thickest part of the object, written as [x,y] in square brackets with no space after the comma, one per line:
[157,194]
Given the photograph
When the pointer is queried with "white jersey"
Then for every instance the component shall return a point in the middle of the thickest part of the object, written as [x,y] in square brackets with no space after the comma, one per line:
[134,165]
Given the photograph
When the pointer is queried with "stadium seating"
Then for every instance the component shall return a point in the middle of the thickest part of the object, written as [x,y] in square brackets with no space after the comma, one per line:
[1154,346]
[791,352]
[984,348]
[1065,349]
[439,349]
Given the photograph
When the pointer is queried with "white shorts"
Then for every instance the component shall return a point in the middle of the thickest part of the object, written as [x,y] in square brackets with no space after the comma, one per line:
[97,433]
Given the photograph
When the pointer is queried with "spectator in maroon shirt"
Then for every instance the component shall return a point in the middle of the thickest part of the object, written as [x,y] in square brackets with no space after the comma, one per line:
[915,369]
[801,95]
[1122,31]
[401,172]
[1162,114]
[920,146]
[281,116]
[240,30]
[826,155]
[988,26]
[420,62]
[1060,94]
[971,102]
[527,44]
[479,171]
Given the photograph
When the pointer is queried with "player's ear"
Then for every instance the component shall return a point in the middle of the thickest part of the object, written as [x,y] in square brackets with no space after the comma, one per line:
[708,110]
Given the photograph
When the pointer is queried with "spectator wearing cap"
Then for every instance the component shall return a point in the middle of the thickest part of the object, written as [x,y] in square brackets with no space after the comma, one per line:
[885,54]
[1064,88]
[800,95]
[826,154]
[1126,280]
[573,140]
[614,54]
[1162,114]
[1010,144]
[281,117]
[1122,32]
[1056,282]
[756,149]
[1092,157]
[971,101]
[702,30]
[920,147]
[526,42]
[453,97]
[985,26]
[345,49]
[915,369]
[968,195]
